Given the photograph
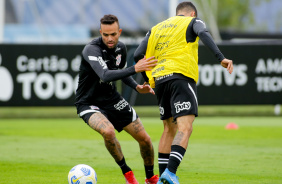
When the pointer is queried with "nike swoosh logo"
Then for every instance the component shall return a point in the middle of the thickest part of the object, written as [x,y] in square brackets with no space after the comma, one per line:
[75,180]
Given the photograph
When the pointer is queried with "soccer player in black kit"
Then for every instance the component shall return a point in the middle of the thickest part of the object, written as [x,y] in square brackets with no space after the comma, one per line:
[100,105]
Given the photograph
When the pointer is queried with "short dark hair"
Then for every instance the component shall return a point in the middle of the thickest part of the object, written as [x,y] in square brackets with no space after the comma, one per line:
[109,19]
[186,6]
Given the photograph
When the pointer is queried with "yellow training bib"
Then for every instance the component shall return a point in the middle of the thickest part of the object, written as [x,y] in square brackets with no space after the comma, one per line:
[168,44]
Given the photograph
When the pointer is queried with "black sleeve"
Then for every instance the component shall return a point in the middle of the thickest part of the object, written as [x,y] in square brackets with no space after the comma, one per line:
[141,51]
[199,28]
[130,82]
[93,55]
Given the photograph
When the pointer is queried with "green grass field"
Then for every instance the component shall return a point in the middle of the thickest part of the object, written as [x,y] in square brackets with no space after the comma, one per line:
[42,151]
[147,111]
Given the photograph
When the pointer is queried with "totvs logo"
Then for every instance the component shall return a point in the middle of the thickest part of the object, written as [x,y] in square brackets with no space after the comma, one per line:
[6,83]
[217,75]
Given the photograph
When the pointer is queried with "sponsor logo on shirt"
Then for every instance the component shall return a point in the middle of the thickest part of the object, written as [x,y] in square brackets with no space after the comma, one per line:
[163,77]
[162,68]
[100,60]
[165,25]
[161,46]
[117,49]
[182,106]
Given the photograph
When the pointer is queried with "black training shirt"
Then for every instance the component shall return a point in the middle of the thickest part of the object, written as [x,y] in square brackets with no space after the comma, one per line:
[99,67]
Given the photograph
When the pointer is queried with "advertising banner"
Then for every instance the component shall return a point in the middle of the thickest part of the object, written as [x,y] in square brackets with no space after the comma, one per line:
[38,75]
[256,78]
[47,75]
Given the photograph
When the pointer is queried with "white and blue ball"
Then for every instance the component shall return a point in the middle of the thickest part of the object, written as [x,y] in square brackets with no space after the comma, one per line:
[82,174]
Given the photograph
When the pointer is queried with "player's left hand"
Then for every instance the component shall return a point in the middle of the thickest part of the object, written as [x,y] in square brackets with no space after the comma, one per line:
[145,88]
[228,64]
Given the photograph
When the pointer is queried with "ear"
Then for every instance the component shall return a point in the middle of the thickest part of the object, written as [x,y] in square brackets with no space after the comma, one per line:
[100,32]
[193,14]
[120,30]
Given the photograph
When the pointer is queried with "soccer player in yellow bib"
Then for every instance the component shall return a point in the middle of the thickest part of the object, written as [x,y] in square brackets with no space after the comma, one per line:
[174,42]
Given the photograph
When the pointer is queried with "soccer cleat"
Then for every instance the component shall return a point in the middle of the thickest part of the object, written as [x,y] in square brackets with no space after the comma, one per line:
[159,182]
[168,177]
[130,178]
[153,180]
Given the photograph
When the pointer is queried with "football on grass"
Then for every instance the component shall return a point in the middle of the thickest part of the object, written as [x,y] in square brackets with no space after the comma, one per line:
[82,174]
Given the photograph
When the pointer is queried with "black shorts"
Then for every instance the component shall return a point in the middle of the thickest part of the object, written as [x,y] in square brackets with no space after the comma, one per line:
[118,112]
[177,97]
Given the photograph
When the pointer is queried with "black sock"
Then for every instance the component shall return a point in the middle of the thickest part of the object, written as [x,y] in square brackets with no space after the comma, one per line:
[175,157]
[123,166]
[163,161]
[149,170]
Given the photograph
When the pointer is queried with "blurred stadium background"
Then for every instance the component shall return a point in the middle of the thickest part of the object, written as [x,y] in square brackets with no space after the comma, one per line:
[41,41]
[67,21]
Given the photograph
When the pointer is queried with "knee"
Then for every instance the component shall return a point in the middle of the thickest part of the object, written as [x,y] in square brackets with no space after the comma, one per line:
[188,128]
[109,134]
[146,140]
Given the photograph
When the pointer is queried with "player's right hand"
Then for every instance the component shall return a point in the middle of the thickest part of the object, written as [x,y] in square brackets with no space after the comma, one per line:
[145,64]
